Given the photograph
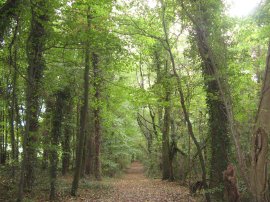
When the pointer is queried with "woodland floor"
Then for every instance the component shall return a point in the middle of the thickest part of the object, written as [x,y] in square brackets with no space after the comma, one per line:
[135,187]
[132,186]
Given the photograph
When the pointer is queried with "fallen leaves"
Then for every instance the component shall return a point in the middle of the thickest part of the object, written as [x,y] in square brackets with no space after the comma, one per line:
[135,187]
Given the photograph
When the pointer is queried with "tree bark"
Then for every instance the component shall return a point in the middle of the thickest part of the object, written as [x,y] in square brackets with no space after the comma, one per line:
[166,172]
[12,112]
[49,103]
[55,137]
[259,182]
[89,166]
[218,116]
[67,133]
[183,103]
[97,124]
[36,64]
[207,55]
[84,112]
[218,123]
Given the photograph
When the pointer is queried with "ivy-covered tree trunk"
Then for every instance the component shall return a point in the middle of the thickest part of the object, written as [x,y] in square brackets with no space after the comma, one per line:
[57,120]
[67,133]
[218,126]
[36,64]
[84,112]
[97,123]
[218,117]
[211,56]
[218,129]
[259,176]
[182,99]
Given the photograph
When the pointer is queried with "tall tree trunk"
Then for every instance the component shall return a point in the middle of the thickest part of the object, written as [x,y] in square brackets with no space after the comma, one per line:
[89,166]
[219,136]
[218,121]
[67,134]
[218,126]
[207,54]
[12,112]
[36,65]
[97,124]
[49,104]
[85,149]
[183,102]
[259,182]
[165,139]
[173,147]
[218,116]
[3,153]
[55,137]
[84,112]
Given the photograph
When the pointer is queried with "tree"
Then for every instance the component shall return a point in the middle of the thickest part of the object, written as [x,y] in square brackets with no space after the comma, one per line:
[56,132]
[97,124]
[84,112]
[67,132]
[259,177]
[36,64]
[206,27]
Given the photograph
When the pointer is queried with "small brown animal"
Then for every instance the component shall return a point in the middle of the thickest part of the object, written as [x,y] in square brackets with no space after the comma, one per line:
[230,183]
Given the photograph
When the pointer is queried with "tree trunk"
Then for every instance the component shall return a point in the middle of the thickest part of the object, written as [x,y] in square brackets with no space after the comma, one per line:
[218,121]
[84,113]
[89,165]
[67,133]
[165,139]
[12,114]
[259,182]
[36,64]
[97,124]
[219,138]
[55,137]
[206,53]
[218,126]
[3,153]
[183,104]
[46,133]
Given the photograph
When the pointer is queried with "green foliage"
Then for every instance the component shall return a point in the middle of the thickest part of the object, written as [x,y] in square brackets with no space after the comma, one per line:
[133,41]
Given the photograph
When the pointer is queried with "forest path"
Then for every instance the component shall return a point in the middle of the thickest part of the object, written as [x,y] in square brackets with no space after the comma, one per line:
[135,187]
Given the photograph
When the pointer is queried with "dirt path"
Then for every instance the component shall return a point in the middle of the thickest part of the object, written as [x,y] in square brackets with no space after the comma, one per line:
[135,187]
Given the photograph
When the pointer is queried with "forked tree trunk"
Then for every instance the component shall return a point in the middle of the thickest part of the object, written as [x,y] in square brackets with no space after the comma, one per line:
[259,183]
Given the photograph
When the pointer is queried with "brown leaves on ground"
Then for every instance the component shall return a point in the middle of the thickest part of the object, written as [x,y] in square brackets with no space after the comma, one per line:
[132,187]
[135,187]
